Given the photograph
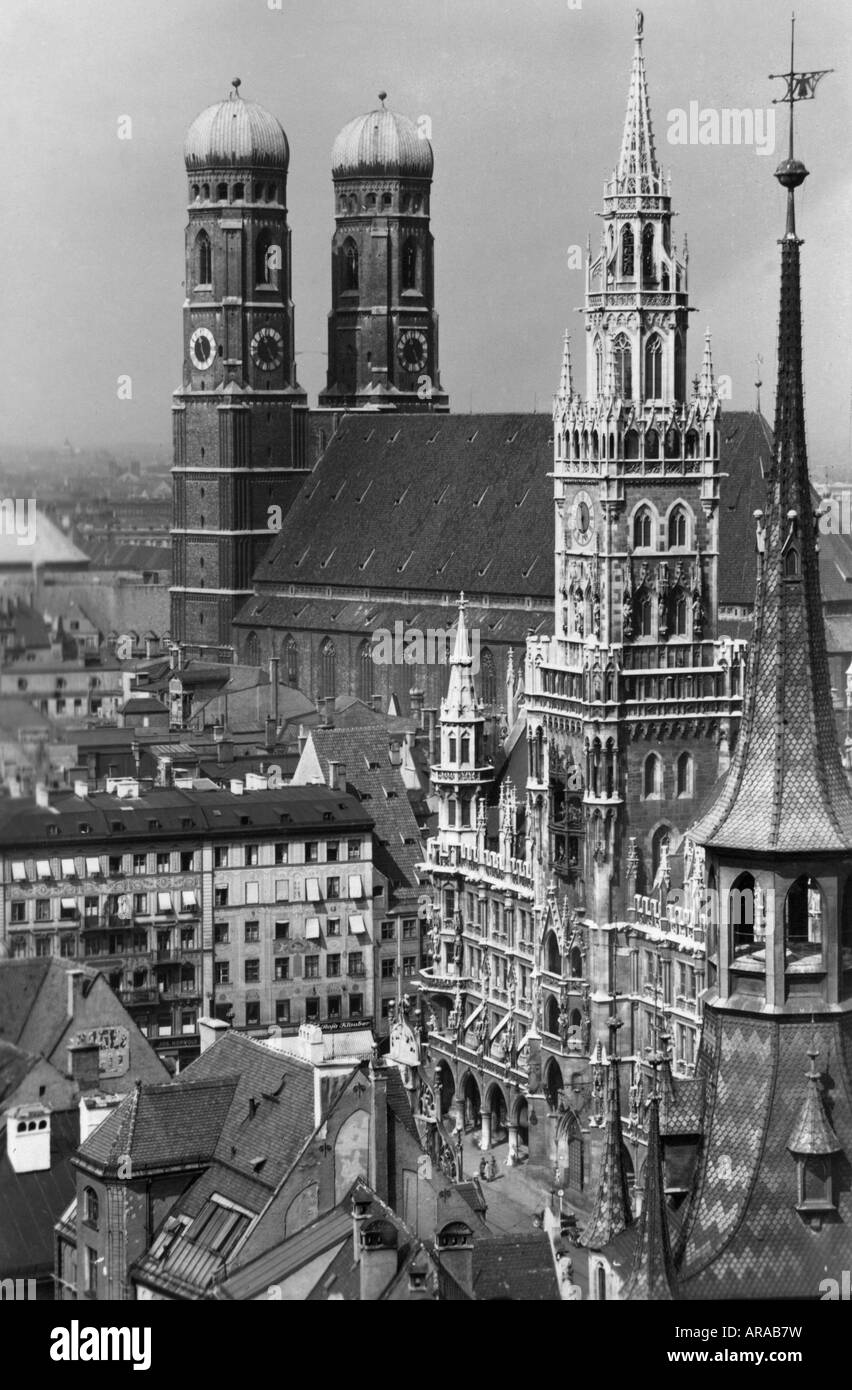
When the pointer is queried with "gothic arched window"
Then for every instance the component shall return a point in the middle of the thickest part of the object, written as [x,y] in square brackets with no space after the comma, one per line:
[652,777]
[622,364]
[679,369]
[328,669]
[681,616]
[660,839]
[599,367]
[366,670]
[627,251]
[653,369]
[203,259]
[291,660]
[252,650]
[488,677]
[652,445]
[643,529]
[409,264]
[678,529]
[649,273]
[350,265]
[645,617]
[803,920]
[741,923]
[685,768]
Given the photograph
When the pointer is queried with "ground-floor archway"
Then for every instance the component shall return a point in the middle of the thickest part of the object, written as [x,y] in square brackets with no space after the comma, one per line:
[472,1103]
[552,1083]
[445,1088]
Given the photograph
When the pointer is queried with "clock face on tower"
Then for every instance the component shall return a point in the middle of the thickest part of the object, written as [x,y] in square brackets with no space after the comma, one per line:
[412,349]
[267,348]
[202,347]
[583,519]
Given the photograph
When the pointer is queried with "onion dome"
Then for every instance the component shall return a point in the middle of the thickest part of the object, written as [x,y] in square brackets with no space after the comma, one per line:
[381,142]
[236,133]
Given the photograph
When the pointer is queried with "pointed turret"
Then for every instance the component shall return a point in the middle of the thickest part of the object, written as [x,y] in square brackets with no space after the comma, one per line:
[566,379]
[463,773]
[813,1135]
[786,789]
[707,381]
[638,170]
[611,1213]
[652,1275]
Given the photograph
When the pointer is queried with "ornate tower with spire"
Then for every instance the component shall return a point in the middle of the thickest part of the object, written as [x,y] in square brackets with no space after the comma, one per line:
[631,703]
[462,777]
[772,1210]
[383,325]
[239,417]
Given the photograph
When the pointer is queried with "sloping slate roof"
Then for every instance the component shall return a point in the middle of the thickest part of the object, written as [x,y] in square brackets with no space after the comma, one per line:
[106,553]
[519,1267]
[365,754]
[15,1064]
[30,1203]
[492,623]
[173,1123]
[51,548]
[744,1237]
[441,503]
[277,1264]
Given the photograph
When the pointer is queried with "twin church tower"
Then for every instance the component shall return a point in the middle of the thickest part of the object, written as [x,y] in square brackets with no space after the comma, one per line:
[240,416]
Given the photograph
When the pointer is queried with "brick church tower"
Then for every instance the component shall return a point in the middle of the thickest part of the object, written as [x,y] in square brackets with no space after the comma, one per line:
[383,326]
[239,417]
[630,704]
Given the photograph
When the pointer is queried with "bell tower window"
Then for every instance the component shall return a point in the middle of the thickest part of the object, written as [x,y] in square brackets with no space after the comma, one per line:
[678,529]
[203,259]
[627,252]
[653,369]
[409,264]
[649,275]
[622,362]
[350,265]
[265,258]
[643,529]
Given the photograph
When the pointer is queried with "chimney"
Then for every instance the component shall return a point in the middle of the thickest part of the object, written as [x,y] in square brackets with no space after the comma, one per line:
[416,698]
[210,1030]
[311,1043]
[224,749]
[379,1239]
[376,703]
[218,733]
[336,775]
[273,687]
[303,739]
[271,727]
[81,788]
[92,770]
[454,1244]
[71,978]
[361,1206]
[332,772]
[42,795]
[28,1138]
[327,703]
[431,727]
[83,1061]
[237,787]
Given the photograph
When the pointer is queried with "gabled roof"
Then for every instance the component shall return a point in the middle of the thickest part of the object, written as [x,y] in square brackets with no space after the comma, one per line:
[165,1126]
[517,1267]
[365,753]
[30,1203]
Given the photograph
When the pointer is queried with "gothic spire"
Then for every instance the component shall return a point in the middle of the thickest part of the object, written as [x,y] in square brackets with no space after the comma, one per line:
[813,1132]
[707,384]
[638,171]
[611,1213]
[652,1275]
[786,789]
[461,692]
[566,380]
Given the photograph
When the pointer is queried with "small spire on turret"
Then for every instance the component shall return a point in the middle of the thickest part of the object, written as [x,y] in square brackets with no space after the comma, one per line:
[566,380]
[708,384]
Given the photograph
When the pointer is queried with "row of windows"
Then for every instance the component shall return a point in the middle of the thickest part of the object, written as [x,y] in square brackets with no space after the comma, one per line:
[93,865]
[364,664]
[335,966]
[286,1012]
[652,387]
[653,776]
[267,259]
[410,930]
[235,193]
[597,444]
[409,264]
[314,927]
[95,909]
[677,533]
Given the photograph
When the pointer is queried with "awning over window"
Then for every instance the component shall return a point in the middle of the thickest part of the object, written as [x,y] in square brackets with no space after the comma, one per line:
[312,928]
[93,864]
[43,868]
[69,868]
[357,924]
[19,870]
[312,890]
[188,898]
[164,902]
[68,904]
[356,887]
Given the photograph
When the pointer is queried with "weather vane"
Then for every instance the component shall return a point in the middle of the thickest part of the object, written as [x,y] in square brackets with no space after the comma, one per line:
[801,86]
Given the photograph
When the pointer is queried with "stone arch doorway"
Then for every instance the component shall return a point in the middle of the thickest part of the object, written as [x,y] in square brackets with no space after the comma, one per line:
[472,1103]
[445,1088]
[495,1105]
[552,1083]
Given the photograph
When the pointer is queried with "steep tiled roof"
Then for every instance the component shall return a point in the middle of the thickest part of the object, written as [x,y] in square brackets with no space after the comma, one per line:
[519,1267]
[15,1064]
[744,1237]
[366,756]
[324,1236]
[163,1126]
[31,1202]
[652,1275]
[611,1213]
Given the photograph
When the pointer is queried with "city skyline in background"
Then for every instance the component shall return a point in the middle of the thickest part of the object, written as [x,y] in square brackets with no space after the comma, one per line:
[525,106]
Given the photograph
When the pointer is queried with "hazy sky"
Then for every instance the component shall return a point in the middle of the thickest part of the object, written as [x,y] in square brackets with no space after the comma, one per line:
[526,100]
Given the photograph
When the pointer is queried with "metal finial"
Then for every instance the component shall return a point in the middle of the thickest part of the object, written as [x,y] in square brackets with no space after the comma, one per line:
[383,96]
[236,84]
